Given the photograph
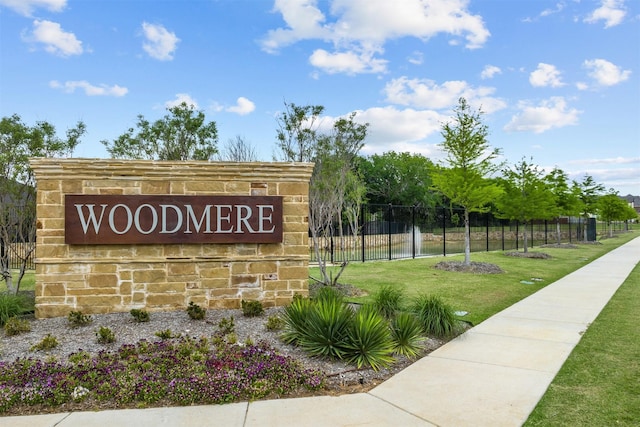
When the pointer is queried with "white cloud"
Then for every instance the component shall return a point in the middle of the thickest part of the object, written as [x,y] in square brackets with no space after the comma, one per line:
[363,26]
[549,114]
[55,40]
[180,98]
[243,106]
[545,75]
[394,129]
[606,73]
[26,7]
[612,12]
[89,89]
[417,58]
[160,43]
[347,62]
[424,93]
[489,71]
[609,161]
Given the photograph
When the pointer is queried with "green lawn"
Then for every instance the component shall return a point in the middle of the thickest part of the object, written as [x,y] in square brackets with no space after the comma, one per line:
[599,384]
[480,295]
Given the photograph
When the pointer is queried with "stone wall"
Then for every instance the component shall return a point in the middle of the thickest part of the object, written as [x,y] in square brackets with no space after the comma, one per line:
[115,278]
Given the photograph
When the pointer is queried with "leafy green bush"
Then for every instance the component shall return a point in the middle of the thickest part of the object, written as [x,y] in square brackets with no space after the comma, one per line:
[15,326]
[165,334]
[406,332]
[226,326]
[274,323]
[105,335]
[77,318]
[252,308]
[369,339]
[140,316]
[195,311]
[10,306]
[47,343]
[388,300]
[436,317]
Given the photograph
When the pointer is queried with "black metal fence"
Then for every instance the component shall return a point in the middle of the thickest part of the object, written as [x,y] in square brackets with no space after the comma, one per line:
[395,232]
[15,245]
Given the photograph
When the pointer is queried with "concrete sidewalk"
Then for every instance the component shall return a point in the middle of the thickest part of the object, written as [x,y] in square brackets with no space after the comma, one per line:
[492,375]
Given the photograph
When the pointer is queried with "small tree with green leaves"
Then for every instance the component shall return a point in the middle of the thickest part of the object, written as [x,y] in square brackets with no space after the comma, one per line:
[610,207]
[526,196]
[470,163]
[589,191]
[19,142]
[182,134]
[567,201]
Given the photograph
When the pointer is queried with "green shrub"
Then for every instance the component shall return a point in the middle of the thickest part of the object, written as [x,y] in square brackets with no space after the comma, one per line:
[436,317]
[77,318]
[195,311]
[15,326]
[325,331]
[10,306]
[105,335]
[226,326]
[406,332]
[274,323]
[369,339]
[328,293]
[295,317]
[47,343]
[139,316]
[252,308]
[165,334]
[388,300]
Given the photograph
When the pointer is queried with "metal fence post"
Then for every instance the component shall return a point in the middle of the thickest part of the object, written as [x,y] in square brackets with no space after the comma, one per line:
[389,228]
[444,232]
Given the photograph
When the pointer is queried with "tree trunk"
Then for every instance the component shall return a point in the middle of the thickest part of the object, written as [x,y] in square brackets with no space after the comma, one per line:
[467,239]
[558,233]
[524,236]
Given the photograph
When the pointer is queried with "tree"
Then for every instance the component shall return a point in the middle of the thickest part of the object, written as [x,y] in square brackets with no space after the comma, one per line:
[465,182]
[610,207]
[589,191]
[19,142]
[526,196]
[238,149]
[567,201]
[398,178]
[297,135]
[180,135]
[335,189]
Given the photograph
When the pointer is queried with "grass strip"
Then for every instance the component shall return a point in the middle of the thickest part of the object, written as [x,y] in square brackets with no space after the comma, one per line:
[599,384]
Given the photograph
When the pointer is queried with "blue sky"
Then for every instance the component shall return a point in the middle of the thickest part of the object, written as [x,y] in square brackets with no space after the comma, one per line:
[559,80]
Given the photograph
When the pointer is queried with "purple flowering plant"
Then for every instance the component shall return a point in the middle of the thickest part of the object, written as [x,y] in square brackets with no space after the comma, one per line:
[180,371]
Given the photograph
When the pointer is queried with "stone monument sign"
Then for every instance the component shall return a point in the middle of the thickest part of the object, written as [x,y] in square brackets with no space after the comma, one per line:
[120,234]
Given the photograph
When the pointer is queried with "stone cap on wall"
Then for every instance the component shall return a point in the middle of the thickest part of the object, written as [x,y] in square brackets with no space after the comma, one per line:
[183,169]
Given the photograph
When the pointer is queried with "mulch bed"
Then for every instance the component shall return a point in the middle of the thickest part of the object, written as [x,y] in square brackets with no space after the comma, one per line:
[473,267]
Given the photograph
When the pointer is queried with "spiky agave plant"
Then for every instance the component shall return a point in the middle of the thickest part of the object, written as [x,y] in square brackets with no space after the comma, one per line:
[406,332]
[326,327]
[369,339]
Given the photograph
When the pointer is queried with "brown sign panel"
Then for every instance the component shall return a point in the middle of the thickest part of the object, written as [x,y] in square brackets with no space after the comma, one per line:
[159,219]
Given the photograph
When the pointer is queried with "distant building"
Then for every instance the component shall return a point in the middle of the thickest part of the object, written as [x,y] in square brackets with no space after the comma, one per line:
[634,202]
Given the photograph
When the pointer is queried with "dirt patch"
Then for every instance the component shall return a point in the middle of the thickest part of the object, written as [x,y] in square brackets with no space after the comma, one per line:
[561,246]
[473,267]
[535,255]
